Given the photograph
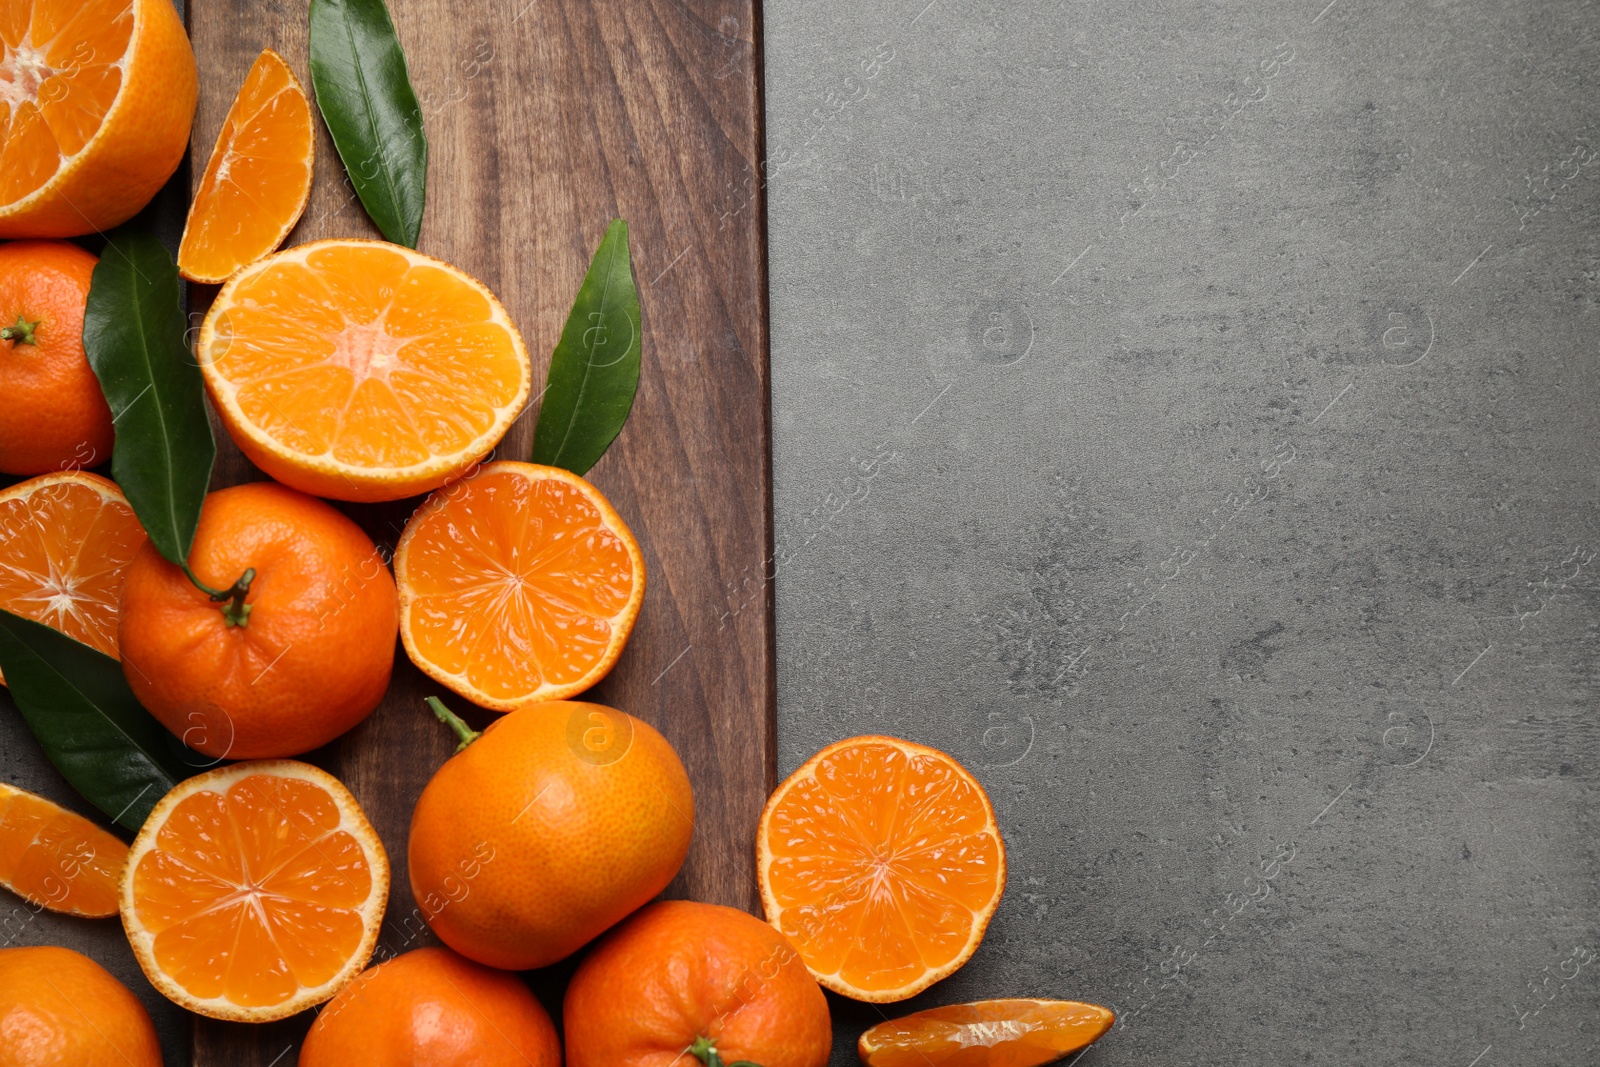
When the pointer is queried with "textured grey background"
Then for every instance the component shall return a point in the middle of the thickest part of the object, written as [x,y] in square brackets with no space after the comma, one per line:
[1185,416]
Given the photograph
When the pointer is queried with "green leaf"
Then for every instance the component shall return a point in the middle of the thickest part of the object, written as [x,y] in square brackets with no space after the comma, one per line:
[594,371]
[78,704]
[359,72]
[133,332]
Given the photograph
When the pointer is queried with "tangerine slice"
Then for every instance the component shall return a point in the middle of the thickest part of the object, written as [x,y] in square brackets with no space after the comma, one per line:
[986,1033]
[518,584]
[65,541]
[881,861]
[361,370]
[55,858]
[96,99]
[258,181]
[254,891]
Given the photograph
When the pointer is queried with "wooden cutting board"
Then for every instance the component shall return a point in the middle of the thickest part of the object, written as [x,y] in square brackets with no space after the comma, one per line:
[545,120]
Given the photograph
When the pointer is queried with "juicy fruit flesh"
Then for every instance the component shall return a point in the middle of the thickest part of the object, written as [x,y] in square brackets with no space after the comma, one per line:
[55,858]
[361,356]
[255,184]
[515,583]
[60,71]
[883,863]
[63,549]
[254,894]
[988,1033]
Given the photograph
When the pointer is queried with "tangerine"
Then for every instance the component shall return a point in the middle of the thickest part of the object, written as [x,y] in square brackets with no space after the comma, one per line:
[289,644]
[432,1008]
[545,830]
[54,417]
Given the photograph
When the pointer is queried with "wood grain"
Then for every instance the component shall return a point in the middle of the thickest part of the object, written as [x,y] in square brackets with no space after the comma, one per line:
[546,119]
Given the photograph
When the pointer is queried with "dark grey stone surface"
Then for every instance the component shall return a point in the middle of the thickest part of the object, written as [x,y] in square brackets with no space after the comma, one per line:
[1185,416]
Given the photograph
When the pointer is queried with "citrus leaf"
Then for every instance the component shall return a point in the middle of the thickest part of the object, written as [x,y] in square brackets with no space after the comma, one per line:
[133,333]
[78,704]
[364,93]
[594,371]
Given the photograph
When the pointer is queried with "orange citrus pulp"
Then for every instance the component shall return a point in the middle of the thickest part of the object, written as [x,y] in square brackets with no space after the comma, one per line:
[96,100]
[881,861]
[361,370]
[56,858]
[985,1033]
[518,584]
[254,891]
[65,541]
[259,178]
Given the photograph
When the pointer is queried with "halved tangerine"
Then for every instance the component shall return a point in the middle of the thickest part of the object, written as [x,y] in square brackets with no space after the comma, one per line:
[361,370]
[255,891]
[986,1033]
[55,858]
[518,584]
[65,542]
[259,178]
[881,861]
[96,99]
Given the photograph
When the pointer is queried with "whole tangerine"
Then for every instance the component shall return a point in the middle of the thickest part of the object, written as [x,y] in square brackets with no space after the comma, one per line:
[432,1008]
[283,640]
[546,830]
[61,1007]
[54,417]
[699,978]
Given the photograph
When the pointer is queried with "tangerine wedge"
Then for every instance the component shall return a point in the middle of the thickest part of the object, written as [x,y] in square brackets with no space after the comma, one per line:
[986,1033]
[258,181]
[881,861]
[254,891]
[361,370]
[518,584]
[65,543]
[96,100]
[55,858]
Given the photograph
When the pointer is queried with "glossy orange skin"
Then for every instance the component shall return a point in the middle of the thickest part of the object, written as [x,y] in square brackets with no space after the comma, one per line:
[432,1008]
[314,657]
[54,416]
[526,846]
[60,1007]
[679,971]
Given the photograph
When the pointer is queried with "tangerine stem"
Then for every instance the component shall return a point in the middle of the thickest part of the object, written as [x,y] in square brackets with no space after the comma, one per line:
[465,733]
[704,1049]
[235,612]
[21,333]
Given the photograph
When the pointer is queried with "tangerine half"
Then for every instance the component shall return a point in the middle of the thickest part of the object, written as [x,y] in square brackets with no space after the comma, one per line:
[362,370]
[65,543]
[254,891]
[96,101]
[518,584]
[881,861]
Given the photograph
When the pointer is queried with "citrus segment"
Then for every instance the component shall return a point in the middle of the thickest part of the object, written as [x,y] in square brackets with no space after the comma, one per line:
[56,858]
[65,542]
[258,180]
[362,370]
[986,1033]
[520,583]
[96,100]
[880,859]
[254,891]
